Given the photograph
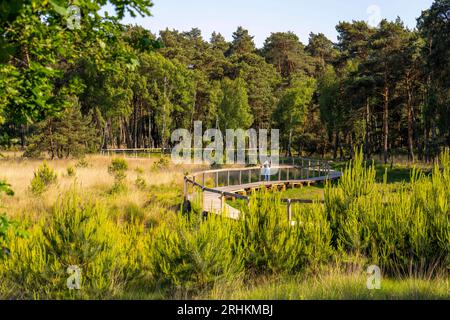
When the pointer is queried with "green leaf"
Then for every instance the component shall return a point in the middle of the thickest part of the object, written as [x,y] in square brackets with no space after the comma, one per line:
[59,9]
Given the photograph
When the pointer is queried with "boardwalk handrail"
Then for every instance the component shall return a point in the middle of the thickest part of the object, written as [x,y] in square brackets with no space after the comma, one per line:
[315,170]
[316,167]
[223,193]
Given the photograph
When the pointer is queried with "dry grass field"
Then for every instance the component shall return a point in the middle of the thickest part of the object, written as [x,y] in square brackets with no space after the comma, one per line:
[163,184]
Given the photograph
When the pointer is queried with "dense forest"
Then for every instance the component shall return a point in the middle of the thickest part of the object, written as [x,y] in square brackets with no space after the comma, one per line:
[67,91]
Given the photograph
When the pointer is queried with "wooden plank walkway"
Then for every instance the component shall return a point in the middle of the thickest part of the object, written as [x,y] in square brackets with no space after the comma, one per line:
[213,203]
[216,204]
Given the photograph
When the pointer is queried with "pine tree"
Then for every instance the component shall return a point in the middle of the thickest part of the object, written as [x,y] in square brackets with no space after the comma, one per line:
[285,51]
[242,42]
[322,49]
[71,134]
[219,43]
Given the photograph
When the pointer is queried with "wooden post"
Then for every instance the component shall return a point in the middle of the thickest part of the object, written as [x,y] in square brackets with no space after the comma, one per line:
[309,166]
[203,179]
[302,170]
[279,174]
[313,172]
[217,179]
[228,178]
[222,202]
[316,172]
[289,211]
[240,177]
[318,167]
[249,175]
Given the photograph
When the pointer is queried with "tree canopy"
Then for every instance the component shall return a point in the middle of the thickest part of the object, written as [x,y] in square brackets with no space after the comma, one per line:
[385,88]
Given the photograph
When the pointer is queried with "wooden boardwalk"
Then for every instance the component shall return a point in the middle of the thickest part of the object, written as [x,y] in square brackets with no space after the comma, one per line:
[214,201]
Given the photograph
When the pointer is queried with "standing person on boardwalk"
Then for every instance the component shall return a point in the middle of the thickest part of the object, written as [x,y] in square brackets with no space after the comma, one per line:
[266,169]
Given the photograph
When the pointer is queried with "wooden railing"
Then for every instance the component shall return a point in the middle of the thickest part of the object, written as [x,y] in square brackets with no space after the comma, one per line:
[139,152]
[290,170]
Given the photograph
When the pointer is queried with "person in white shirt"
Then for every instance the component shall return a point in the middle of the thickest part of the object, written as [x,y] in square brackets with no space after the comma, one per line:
[266,170]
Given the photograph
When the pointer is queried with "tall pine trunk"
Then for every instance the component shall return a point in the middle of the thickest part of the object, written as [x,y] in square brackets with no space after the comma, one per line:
[386,124]
[367,137]
[410,127]
[336,144]
[290,137]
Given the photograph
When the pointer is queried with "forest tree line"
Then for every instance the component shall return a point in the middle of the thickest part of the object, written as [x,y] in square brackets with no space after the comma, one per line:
[107,85]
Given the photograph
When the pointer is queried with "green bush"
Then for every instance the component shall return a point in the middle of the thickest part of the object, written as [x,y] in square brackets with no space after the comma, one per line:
[82,163]
[140,183]
[358,179]
[139,171]
[77,233]
[118,169]
[405,231]
[71,171]
[43,178]
[192,256]
[6,188]
[271,243]
[166,196]
[8,229]
[162,163]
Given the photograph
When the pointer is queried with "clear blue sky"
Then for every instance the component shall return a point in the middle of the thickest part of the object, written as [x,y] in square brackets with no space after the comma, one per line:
[261,17]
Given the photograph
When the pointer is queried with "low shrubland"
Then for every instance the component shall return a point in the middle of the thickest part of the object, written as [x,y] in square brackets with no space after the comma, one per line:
[406,232]
[139,244]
